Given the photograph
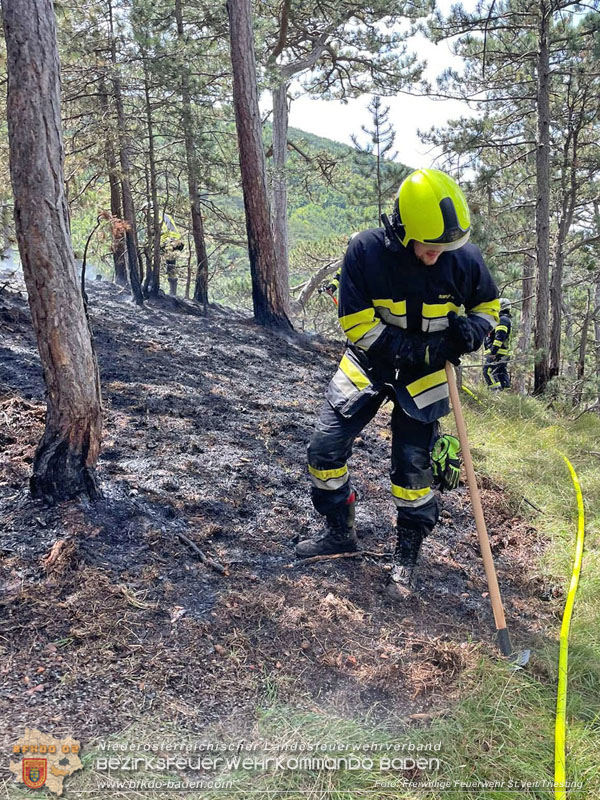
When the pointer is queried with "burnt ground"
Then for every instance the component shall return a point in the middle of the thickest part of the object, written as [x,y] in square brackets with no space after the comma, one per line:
[106,614]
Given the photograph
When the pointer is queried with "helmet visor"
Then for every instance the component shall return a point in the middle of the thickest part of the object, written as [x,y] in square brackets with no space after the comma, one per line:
[441,248]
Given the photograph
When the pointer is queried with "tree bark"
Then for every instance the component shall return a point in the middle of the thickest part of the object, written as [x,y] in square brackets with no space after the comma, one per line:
[283,73]
[4,226]
[280,225]
[191,157]
[526,309]
[131,239]
[568,201]
[149,236]
[542,209]
[268,296]
[583,350]
[153,282]
[116,208]
[65,460]
[556,293]
[597,331]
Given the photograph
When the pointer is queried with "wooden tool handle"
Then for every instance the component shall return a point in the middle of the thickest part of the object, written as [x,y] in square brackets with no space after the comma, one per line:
[484,542]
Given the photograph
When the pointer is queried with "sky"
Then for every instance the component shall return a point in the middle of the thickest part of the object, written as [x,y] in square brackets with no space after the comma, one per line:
[336,120]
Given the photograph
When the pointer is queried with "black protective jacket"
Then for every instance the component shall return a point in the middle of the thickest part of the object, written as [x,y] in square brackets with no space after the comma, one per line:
[497,341]
[385,291]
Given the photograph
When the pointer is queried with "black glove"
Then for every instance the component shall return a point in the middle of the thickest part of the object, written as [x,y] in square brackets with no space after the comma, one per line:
[415,350]
[409,350]
[439,349]
[462,334]
[329,288]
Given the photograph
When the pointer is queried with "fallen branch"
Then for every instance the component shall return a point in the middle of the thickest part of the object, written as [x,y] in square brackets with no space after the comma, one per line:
[593,406]
[202,556]
[426,715]
[357,554]
[299,304]
[533,505]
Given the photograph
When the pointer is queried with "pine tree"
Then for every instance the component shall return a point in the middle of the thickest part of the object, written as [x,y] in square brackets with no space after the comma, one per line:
[377,158]
[66,456]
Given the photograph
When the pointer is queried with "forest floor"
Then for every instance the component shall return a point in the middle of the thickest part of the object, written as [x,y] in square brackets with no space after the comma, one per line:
[106,614]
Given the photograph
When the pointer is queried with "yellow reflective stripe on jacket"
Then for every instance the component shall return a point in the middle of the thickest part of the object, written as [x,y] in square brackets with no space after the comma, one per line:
[358,332]
[501,328]
[398,307]
[357,318]
[436,310]
[351,371]
[358,324]
[489,310]
[426,382]
[326,474]
[429,389]
[392,312]
[435,316]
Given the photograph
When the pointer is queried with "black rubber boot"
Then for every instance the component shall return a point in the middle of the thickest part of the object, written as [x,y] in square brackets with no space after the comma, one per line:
[400,582]
[339,536]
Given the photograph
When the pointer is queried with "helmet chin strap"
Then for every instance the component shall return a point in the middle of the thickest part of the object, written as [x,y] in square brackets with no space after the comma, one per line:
[392,238]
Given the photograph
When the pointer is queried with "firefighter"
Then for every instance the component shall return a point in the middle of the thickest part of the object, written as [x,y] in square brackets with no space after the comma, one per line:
[497,350]
[400,292]
[332,286]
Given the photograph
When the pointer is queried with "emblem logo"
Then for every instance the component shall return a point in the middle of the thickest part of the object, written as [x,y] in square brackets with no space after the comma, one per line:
[44,761]
[35,771]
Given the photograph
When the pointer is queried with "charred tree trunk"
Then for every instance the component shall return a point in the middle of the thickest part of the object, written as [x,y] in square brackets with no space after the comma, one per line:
[67,453]
[280,224]
[201,285]
[116,207]
[542,209]
[270,302]
[526,309]
[128,205]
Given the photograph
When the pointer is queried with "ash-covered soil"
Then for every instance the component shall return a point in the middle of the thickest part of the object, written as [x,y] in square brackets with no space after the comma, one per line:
[106,614]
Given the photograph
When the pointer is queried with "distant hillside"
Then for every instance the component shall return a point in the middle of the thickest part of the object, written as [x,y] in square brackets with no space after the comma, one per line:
[340,196]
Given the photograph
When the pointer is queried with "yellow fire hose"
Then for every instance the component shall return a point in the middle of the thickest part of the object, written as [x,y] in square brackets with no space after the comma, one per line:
[561,697]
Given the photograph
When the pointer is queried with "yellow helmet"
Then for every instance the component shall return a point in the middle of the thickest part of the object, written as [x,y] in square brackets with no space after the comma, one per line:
[430,207]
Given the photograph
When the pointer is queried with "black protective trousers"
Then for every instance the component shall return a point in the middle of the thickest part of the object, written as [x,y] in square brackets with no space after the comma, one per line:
[331,446]
[496,373]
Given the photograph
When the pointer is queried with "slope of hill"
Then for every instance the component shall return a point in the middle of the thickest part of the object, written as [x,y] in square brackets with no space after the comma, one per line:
[206,426]
[111,618]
